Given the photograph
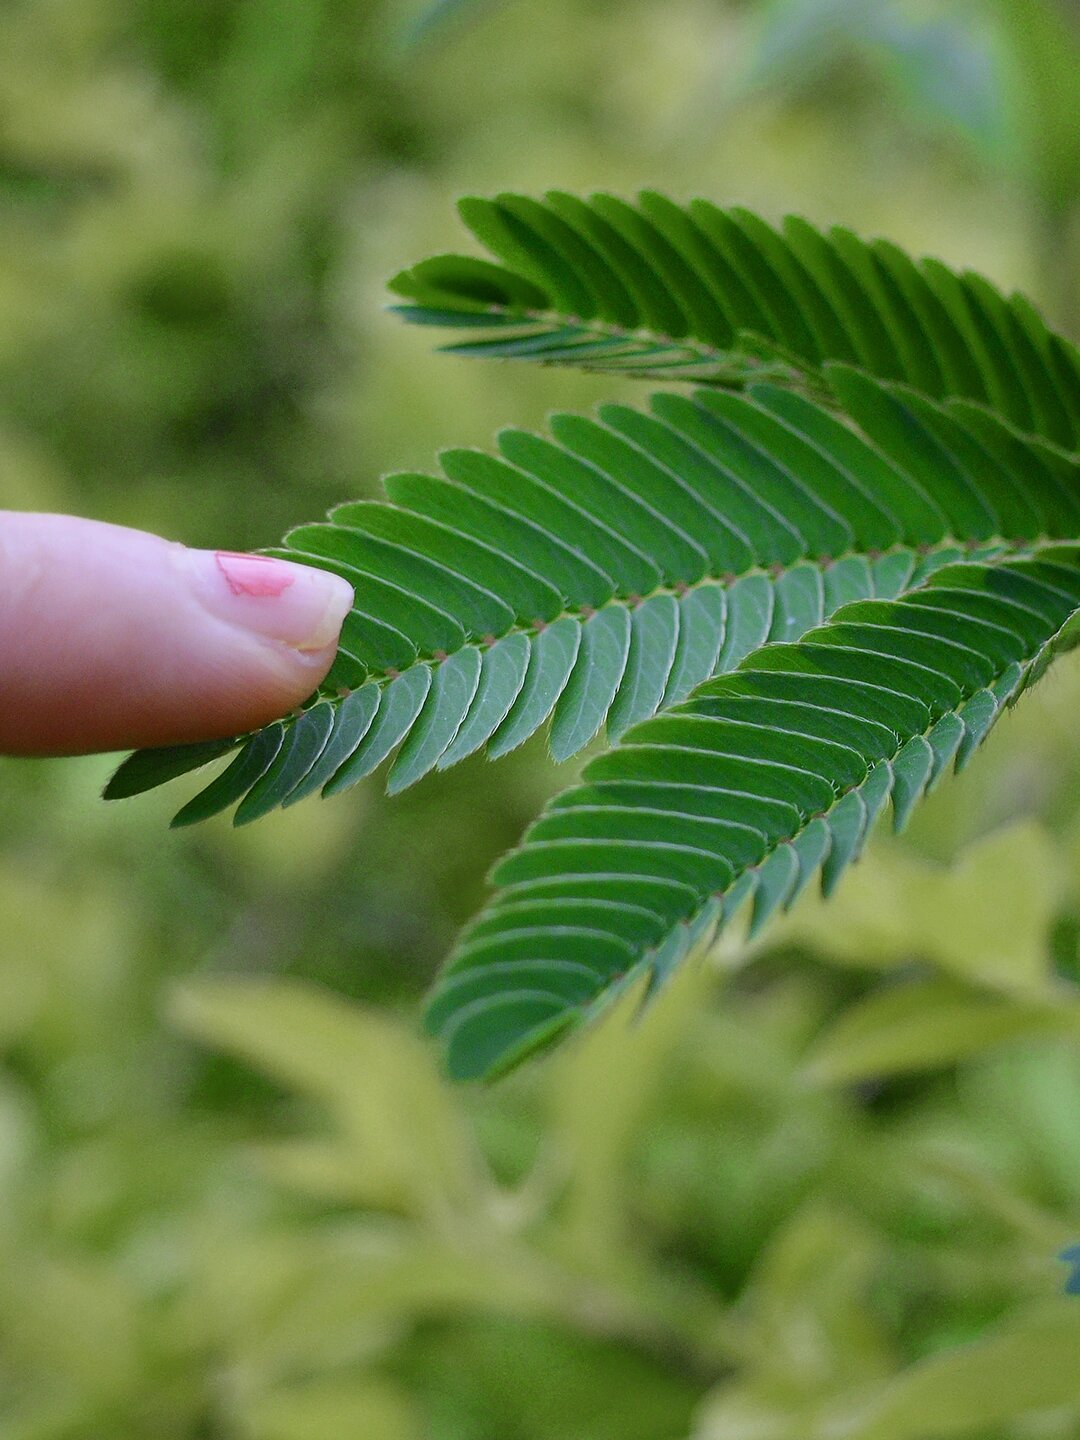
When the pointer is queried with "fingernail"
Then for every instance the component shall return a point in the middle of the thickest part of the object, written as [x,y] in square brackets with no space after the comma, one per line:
[297,605]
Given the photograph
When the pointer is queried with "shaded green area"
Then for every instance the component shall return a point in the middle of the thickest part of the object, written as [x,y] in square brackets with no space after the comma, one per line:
[774,1209]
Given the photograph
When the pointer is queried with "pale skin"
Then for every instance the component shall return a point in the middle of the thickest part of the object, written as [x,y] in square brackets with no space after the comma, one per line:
[112,639]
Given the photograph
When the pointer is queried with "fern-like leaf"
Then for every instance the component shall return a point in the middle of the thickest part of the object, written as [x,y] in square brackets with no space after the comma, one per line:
[599,576]
[765,778]
[697,292]
[790,600]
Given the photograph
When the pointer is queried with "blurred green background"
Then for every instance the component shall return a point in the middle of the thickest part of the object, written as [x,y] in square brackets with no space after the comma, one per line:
[818,1193]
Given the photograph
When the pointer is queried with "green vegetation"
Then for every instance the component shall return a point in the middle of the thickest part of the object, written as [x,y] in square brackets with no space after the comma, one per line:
[818,1188]
[786,611]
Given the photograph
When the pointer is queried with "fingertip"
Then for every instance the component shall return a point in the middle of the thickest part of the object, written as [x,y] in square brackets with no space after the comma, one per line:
[112,638]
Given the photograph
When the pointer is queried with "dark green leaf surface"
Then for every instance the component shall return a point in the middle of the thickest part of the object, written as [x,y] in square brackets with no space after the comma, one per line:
[147,769]
[718,296]
[748,792]
[600,583]
[789,603]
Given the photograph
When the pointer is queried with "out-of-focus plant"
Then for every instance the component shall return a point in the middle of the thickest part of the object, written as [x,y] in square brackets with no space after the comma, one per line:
[1000,78]
[696,1224]
[942,67]
[433,15]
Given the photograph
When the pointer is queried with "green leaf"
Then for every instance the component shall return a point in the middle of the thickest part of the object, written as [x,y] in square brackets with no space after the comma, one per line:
[502,674]
[244,772]
[777,770]
[146,769]
[377,1079]
[301,750]
[317,1408]
[551,663]
[352,719]
[911,771]
[597,676]
[1026,1365]
[906,1028]
[654,640]
[448,700]
[766,482]
[788,602]
[399,705]
[718,296]
[986,919]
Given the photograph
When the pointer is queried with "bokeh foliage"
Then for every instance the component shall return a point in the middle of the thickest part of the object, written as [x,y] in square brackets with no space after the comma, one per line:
[819,1191]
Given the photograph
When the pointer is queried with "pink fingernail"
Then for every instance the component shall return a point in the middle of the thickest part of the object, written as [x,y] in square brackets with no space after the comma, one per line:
[298,605]
[257,575]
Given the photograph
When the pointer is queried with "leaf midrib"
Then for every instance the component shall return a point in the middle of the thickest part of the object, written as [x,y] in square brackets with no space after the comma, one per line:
[776,363]
[991,551]
[702,352]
